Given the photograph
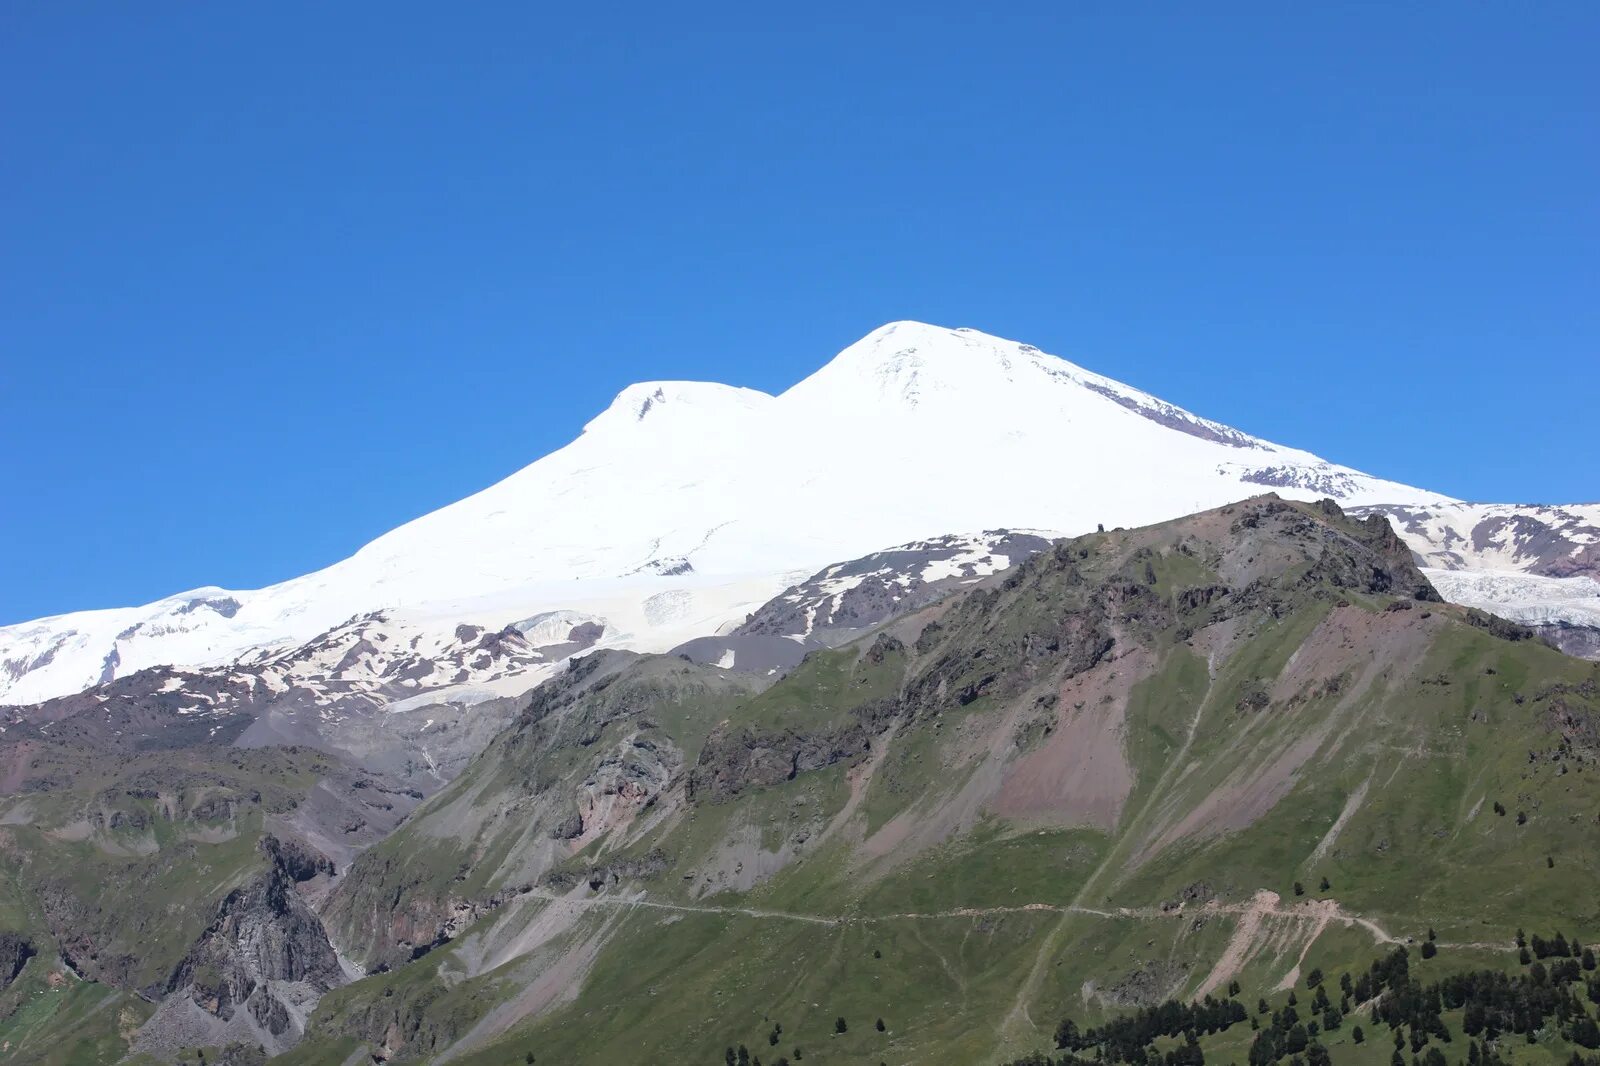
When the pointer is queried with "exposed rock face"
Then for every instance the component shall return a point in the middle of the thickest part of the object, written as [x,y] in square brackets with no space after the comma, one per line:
[589,757]
[15,951]
[264,960]
[734,761]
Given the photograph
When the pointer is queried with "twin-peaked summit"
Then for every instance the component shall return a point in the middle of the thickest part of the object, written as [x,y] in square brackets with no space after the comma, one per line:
[685,505]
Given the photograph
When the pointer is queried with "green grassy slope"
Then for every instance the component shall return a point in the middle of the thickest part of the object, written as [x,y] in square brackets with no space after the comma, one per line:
[1067,792]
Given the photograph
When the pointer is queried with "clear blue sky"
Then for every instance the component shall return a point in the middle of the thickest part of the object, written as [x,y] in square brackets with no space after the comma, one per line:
[275,278]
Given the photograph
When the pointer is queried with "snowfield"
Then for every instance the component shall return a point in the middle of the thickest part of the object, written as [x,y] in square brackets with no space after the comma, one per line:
[685,505]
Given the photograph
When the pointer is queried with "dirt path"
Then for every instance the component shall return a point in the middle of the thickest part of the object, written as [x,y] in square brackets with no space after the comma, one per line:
[1240,943]
[1264,904]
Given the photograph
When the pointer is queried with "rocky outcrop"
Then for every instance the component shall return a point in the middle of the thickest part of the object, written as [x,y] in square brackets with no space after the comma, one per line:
[737,760]
[15,951]
[265,953]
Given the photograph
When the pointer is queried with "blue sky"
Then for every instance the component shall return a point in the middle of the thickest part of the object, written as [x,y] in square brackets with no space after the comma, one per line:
[276,278]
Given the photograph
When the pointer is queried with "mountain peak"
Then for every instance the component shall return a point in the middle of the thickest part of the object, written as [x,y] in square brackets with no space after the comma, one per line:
[653,402]
[913,431]
[909,364]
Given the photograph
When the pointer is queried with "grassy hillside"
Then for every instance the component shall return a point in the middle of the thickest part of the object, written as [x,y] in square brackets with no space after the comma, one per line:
[1146,765]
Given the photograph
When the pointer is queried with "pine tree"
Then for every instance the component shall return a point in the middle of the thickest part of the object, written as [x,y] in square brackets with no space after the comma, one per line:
[880,1025]
[1357,1036]
[1324,886]
[1299,889]
[839,1026]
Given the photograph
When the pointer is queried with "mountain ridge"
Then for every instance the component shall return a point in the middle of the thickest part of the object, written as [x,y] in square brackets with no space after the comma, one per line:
[731,492]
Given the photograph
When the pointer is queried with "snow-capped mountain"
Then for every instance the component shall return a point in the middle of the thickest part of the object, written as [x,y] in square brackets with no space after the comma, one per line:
[684,506]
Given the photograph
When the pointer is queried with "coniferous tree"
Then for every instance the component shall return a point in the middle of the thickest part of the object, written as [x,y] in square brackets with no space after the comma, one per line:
[880,1025]
[1357,1036]
[838,1024]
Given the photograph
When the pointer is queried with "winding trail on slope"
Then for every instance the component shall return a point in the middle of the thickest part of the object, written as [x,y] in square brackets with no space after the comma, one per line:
[1263,904]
